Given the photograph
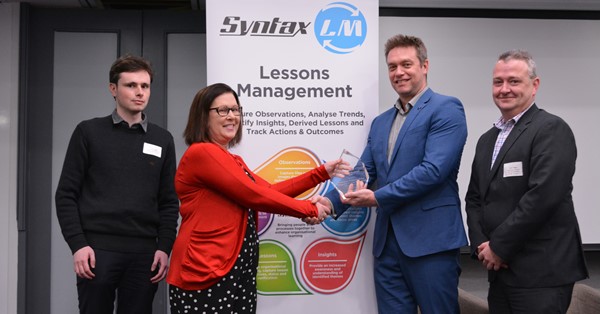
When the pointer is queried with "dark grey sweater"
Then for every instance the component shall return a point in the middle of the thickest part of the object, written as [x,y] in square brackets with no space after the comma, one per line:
[116,190]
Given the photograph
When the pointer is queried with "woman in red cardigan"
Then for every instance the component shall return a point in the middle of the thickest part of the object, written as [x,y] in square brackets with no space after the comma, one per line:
[215,256]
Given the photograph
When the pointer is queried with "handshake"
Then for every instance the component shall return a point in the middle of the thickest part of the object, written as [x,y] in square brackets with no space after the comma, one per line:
[356,196]
[353,191]
[324,207]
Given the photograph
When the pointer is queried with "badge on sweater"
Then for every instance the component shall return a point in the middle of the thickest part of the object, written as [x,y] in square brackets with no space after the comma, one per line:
[151,149]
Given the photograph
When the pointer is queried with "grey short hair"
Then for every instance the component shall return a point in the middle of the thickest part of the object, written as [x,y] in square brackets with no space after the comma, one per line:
[522,55]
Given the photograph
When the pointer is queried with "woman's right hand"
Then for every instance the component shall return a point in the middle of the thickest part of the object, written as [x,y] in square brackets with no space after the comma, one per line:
[323,209]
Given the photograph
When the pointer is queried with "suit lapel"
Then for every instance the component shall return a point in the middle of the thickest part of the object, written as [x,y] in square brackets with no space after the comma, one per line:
[384,137]
[410,118]
[516,132]
[488,146]
[486,159]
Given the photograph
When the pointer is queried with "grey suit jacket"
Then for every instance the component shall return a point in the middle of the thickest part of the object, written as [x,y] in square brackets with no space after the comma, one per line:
[523,204]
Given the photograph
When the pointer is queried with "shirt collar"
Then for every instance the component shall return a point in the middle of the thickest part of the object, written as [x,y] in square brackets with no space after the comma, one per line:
[411,103]
[501,122]
[116,118]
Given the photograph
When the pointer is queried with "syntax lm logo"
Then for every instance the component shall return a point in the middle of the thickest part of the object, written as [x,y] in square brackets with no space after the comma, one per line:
[340,28]
[236,26]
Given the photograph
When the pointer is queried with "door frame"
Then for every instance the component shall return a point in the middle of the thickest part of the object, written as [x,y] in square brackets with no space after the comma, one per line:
[138,32]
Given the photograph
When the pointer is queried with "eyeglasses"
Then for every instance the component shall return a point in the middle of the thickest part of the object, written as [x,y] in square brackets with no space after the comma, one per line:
[223,111]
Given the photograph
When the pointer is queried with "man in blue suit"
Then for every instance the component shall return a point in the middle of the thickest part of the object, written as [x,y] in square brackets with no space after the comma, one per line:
[412,156]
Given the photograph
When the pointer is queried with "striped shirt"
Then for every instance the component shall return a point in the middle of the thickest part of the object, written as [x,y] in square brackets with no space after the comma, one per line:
[505,126]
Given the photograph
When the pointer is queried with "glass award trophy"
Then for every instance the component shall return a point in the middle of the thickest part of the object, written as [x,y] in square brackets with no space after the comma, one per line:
[357,172]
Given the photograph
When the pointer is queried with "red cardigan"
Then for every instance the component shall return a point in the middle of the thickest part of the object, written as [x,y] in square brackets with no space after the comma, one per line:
[215,194]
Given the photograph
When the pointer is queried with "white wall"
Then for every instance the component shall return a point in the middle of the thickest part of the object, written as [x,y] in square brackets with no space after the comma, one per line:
[9,67]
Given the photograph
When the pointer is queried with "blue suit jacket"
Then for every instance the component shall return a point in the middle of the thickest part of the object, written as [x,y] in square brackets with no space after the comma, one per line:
[417,191]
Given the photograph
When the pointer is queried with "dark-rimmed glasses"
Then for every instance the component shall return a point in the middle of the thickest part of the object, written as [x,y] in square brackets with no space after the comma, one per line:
[223,111]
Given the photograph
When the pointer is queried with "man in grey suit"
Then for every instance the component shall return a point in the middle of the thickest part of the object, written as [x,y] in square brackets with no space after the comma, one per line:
[522,223]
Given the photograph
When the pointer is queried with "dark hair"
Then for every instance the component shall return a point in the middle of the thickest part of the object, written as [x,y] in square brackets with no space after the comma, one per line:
[129,63]
[521,55]
[407,41]
[196,130]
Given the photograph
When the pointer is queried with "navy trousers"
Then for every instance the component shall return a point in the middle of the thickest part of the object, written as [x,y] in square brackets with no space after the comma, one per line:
[430,282]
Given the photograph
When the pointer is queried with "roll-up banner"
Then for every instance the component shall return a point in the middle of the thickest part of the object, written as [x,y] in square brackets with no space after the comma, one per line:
[306,73]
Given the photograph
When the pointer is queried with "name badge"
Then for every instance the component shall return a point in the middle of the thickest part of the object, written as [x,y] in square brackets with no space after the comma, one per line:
[151,149]
[513,169]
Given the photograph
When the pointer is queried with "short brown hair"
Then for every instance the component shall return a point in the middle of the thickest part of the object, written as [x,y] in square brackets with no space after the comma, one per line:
[128,63]
[196,130]
[407,41]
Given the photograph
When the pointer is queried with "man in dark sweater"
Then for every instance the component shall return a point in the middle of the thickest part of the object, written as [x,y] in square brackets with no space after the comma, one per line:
[116,202]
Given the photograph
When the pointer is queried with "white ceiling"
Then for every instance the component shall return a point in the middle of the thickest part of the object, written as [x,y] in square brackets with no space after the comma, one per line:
[457,4]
